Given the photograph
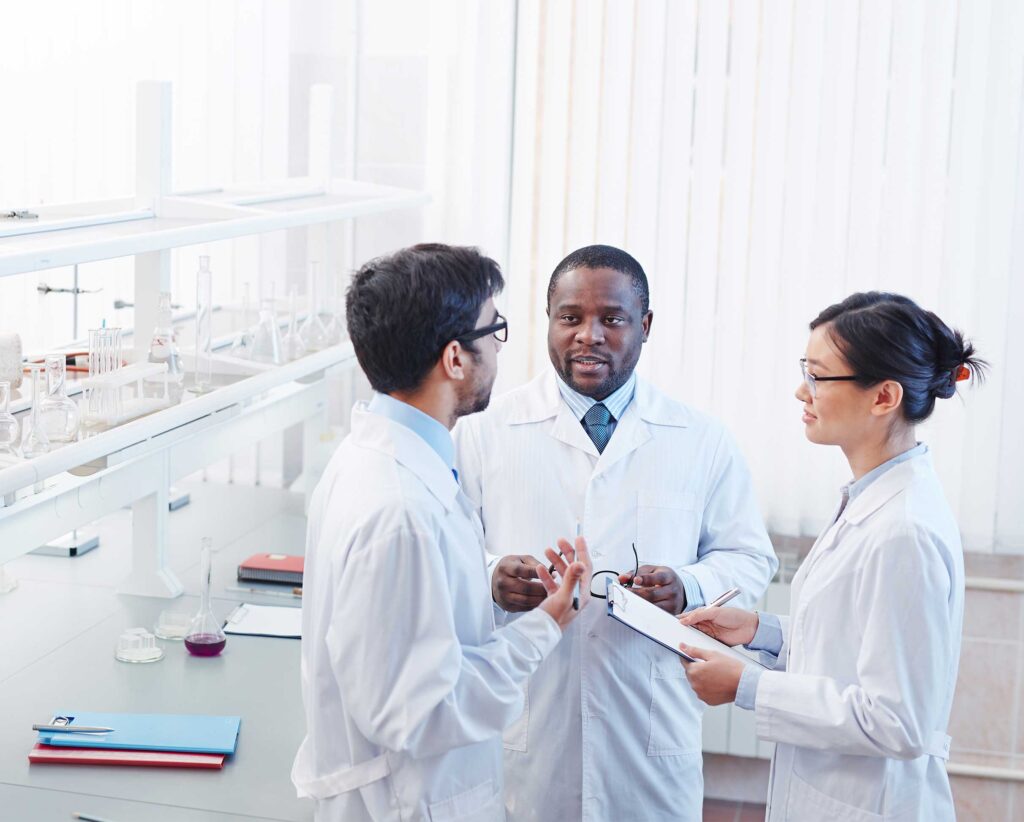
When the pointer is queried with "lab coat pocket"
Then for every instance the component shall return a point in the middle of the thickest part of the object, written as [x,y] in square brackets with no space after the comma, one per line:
[667,526]
[516,733]
[808,804]
[675,715]
[481,804]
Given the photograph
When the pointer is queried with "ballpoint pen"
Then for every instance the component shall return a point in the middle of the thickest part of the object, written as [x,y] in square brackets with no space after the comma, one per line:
[72,729]
[576,587]
[724,598]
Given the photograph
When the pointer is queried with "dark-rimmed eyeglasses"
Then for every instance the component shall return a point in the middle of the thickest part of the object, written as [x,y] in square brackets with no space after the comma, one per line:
[598,593]
[498,328]
[811,381]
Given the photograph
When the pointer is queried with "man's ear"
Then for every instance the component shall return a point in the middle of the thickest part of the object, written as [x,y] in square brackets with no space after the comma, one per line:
[888,398]
[453,360]
[646,323]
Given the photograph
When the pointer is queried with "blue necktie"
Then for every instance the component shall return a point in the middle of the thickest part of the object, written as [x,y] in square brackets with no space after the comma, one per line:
[596,424]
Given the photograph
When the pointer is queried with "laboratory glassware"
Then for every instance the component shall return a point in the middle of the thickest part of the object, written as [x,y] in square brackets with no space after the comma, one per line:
[266,340]
[203,382]
[58,415]
[205,637]
[8,423]
[313,332]
[292,344]
[137,645]
[241,346]
[34,442]
[172,625]
[105,357]
[163,348]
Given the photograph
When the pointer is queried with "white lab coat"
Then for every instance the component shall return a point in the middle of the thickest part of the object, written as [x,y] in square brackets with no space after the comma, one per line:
[870,655]
[611,729]
[406,683]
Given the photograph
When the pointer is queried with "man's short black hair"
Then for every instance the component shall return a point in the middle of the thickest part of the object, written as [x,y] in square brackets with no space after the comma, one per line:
[404,308]
[604,256]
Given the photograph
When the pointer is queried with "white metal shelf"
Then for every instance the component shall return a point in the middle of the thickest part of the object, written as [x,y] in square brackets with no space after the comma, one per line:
[71,234]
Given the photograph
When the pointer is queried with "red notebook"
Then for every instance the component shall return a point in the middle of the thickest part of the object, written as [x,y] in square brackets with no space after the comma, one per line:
[50,754]
[272,568]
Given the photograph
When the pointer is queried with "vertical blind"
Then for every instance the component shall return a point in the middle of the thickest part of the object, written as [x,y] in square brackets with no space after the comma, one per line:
[763,160]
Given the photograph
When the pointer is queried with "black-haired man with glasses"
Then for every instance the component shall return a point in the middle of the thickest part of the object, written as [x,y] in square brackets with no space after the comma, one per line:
[406,683]
[611,728]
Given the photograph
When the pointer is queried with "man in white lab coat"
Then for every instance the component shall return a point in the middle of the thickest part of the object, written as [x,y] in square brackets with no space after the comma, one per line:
[406,683]
[610,729]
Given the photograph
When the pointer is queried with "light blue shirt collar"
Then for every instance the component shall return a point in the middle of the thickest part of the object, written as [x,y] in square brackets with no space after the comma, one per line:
[856,488]
[617,402]
[430,430]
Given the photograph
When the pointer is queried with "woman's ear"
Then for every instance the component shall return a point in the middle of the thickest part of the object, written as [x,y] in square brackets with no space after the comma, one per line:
[888,398]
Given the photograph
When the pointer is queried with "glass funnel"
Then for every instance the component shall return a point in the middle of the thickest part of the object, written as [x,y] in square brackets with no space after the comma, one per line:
[8,424]
[266,339]
[205,637]
[58,415]
[313,333]
[34,441]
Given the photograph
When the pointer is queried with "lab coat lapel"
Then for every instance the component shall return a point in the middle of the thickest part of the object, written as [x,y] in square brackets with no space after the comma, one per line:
[630,433]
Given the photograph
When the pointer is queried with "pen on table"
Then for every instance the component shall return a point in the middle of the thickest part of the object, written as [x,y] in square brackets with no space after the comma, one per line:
[294,593]
[576,587]
[72,729]
[88,817]
[724,598]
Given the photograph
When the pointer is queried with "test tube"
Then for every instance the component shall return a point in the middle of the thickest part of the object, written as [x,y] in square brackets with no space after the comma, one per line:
[204,328]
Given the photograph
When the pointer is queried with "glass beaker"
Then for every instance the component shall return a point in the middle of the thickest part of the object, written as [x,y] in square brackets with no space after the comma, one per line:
[205,637]
[8,423]
[266,340]
[203,382]
[58,415]
[313,332]
[34,441]
[292,344]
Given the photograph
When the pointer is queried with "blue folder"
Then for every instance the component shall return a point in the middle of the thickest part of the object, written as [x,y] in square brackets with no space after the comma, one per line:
[151,732]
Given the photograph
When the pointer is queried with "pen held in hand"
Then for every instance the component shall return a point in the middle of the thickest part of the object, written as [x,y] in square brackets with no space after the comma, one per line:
[724,598]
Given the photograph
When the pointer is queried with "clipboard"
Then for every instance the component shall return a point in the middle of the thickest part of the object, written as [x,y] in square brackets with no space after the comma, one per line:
[659,626]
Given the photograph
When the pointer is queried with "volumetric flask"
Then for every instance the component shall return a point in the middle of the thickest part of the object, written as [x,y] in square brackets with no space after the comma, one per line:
[205,637]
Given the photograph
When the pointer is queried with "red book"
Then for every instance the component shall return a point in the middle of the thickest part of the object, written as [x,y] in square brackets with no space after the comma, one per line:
[272,568]
[50,754]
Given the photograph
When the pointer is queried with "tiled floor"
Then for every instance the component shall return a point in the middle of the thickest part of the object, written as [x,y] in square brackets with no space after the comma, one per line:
[717,810]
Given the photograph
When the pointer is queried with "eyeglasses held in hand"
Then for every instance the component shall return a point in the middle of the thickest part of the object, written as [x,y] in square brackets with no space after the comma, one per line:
[597,594]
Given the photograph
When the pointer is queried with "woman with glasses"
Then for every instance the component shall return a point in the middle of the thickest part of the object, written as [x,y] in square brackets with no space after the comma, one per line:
[861,675]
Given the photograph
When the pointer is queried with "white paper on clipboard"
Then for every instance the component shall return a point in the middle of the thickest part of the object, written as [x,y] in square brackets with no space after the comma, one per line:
[265,620]
[648,619]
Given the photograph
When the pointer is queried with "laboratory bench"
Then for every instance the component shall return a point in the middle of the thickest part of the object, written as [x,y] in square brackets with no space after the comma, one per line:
[58,633]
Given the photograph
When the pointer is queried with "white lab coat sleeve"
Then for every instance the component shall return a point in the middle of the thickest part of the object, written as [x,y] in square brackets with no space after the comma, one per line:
[734,549]
[903,599]
[469,464]
[403,675]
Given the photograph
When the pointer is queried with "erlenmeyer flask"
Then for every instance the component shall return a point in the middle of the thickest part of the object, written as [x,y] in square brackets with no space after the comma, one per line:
[58,415]
[266,340]
[34,442]
[313,332]
[8,423]
[292,344]
[205,637]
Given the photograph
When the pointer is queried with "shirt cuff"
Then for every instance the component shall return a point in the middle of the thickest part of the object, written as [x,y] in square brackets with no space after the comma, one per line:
[768,636]
[746,693]
[694,595]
